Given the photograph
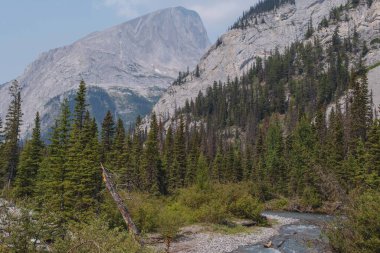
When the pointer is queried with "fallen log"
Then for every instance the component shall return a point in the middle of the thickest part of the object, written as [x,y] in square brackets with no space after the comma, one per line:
[120,204]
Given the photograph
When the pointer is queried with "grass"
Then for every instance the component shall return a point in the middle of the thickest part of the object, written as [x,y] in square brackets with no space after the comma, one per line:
[231,230]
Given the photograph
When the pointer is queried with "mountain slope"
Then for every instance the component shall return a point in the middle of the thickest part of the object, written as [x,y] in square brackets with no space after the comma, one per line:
[126,67]
[235,51]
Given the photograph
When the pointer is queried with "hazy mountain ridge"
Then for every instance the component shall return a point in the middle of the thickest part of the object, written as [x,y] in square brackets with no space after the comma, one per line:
[139,58]
[236,50]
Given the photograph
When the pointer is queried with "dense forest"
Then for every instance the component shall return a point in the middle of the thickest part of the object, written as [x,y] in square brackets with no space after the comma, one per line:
[298,131]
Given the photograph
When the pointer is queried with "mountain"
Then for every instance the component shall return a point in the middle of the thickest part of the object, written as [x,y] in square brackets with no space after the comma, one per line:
[126,67]
[263,31]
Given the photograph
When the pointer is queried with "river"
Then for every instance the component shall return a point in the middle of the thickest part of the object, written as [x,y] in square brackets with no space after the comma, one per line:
[303,236]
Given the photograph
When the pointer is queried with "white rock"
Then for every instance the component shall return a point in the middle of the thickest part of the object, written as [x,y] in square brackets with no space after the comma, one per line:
[143,55]
[282,27]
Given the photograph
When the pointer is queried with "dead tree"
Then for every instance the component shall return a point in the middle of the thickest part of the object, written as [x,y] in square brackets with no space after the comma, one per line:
[120,204]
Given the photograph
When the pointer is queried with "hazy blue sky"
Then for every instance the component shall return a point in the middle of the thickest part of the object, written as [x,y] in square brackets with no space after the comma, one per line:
[30,27]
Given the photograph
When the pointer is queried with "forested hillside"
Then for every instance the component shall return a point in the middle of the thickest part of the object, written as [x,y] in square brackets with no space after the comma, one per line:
[298,131]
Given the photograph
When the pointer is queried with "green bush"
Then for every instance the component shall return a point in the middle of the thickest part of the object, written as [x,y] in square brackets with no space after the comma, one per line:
[359,229]
[212,212]
[169,223]
[247,207]
[96,237]
[311,198]
[277,204]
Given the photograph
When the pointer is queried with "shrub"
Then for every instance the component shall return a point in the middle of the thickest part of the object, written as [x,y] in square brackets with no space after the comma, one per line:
[96,237]
[212,212]
[358,230]
[277,204]
[247,207]
[169,223]
[311,198]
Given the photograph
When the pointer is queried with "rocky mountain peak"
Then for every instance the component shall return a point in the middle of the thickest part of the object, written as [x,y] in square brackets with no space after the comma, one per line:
[126,67]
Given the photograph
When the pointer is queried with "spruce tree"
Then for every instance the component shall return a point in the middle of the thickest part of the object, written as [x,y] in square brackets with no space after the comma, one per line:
[151,162]
[107,135]
[202,175]
[11,132]
[117,161]
[30,161]
[178,169]
[360,109]
[52,176]
[80,105]
[168,157]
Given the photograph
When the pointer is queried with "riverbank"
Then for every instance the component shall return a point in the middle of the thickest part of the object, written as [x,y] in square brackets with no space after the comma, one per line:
[199,239]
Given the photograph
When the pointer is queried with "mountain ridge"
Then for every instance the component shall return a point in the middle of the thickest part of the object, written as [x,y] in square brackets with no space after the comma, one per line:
[138,58]
[237,49]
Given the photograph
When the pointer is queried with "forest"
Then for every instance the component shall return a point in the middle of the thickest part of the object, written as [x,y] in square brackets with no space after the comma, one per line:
[298,132]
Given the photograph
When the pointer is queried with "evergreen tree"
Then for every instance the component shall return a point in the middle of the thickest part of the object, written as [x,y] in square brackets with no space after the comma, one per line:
[11,132]
[107,136]
[151,162]
[197,72]
[178,169]
[30,161]
[168,157]
[52,176]
[360,109]
[80,106]
[118,157]
[202,175]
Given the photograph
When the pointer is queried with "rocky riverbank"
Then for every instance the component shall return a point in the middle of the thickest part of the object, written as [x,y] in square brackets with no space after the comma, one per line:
[198,239]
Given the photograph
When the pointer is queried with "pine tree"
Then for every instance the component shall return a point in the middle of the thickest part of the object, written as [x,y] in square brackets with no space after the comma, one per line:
[80,106]
[107,136]
[301,159]
[360,109]
[335,147]
[217,167]
[202,175]
[151,162]
[134,179]
[11,132]
[52,176]
[274,157]
[197,72]
[168,158]
[118,158]
[30,161]
[83,177]
[178,169]
[82,181]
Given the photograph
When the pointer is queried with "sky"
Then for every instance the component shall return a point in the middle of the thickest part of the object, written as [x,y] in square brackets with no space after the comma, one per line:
[30,27]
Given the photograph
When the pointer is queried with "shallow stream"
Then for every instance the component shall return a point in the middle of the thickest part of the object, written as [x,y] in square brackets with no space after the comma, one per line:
[303,236]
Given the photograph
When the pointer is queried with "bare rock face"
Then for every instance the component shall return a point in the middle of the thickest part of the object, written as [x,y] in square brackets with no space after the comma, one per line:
[236,50]
[126,67]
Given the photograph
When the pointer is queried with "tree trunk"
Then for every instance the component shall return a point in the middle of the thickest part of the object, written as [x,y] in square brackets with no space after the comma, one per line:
[122,208]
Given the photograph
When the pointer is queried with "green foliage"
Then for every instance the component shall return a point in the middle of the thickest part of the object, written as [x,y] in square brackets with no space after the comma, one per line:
[10,149]
[359,230]
[311,198]
[219,203]
[169,223]
[96,236]
[277,204]
[30,160]
[247,207]
[260,7]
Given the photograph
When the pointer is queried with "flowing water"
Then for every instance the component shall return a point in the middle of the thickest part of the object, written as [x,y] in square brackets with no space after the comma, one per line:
[303,236]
